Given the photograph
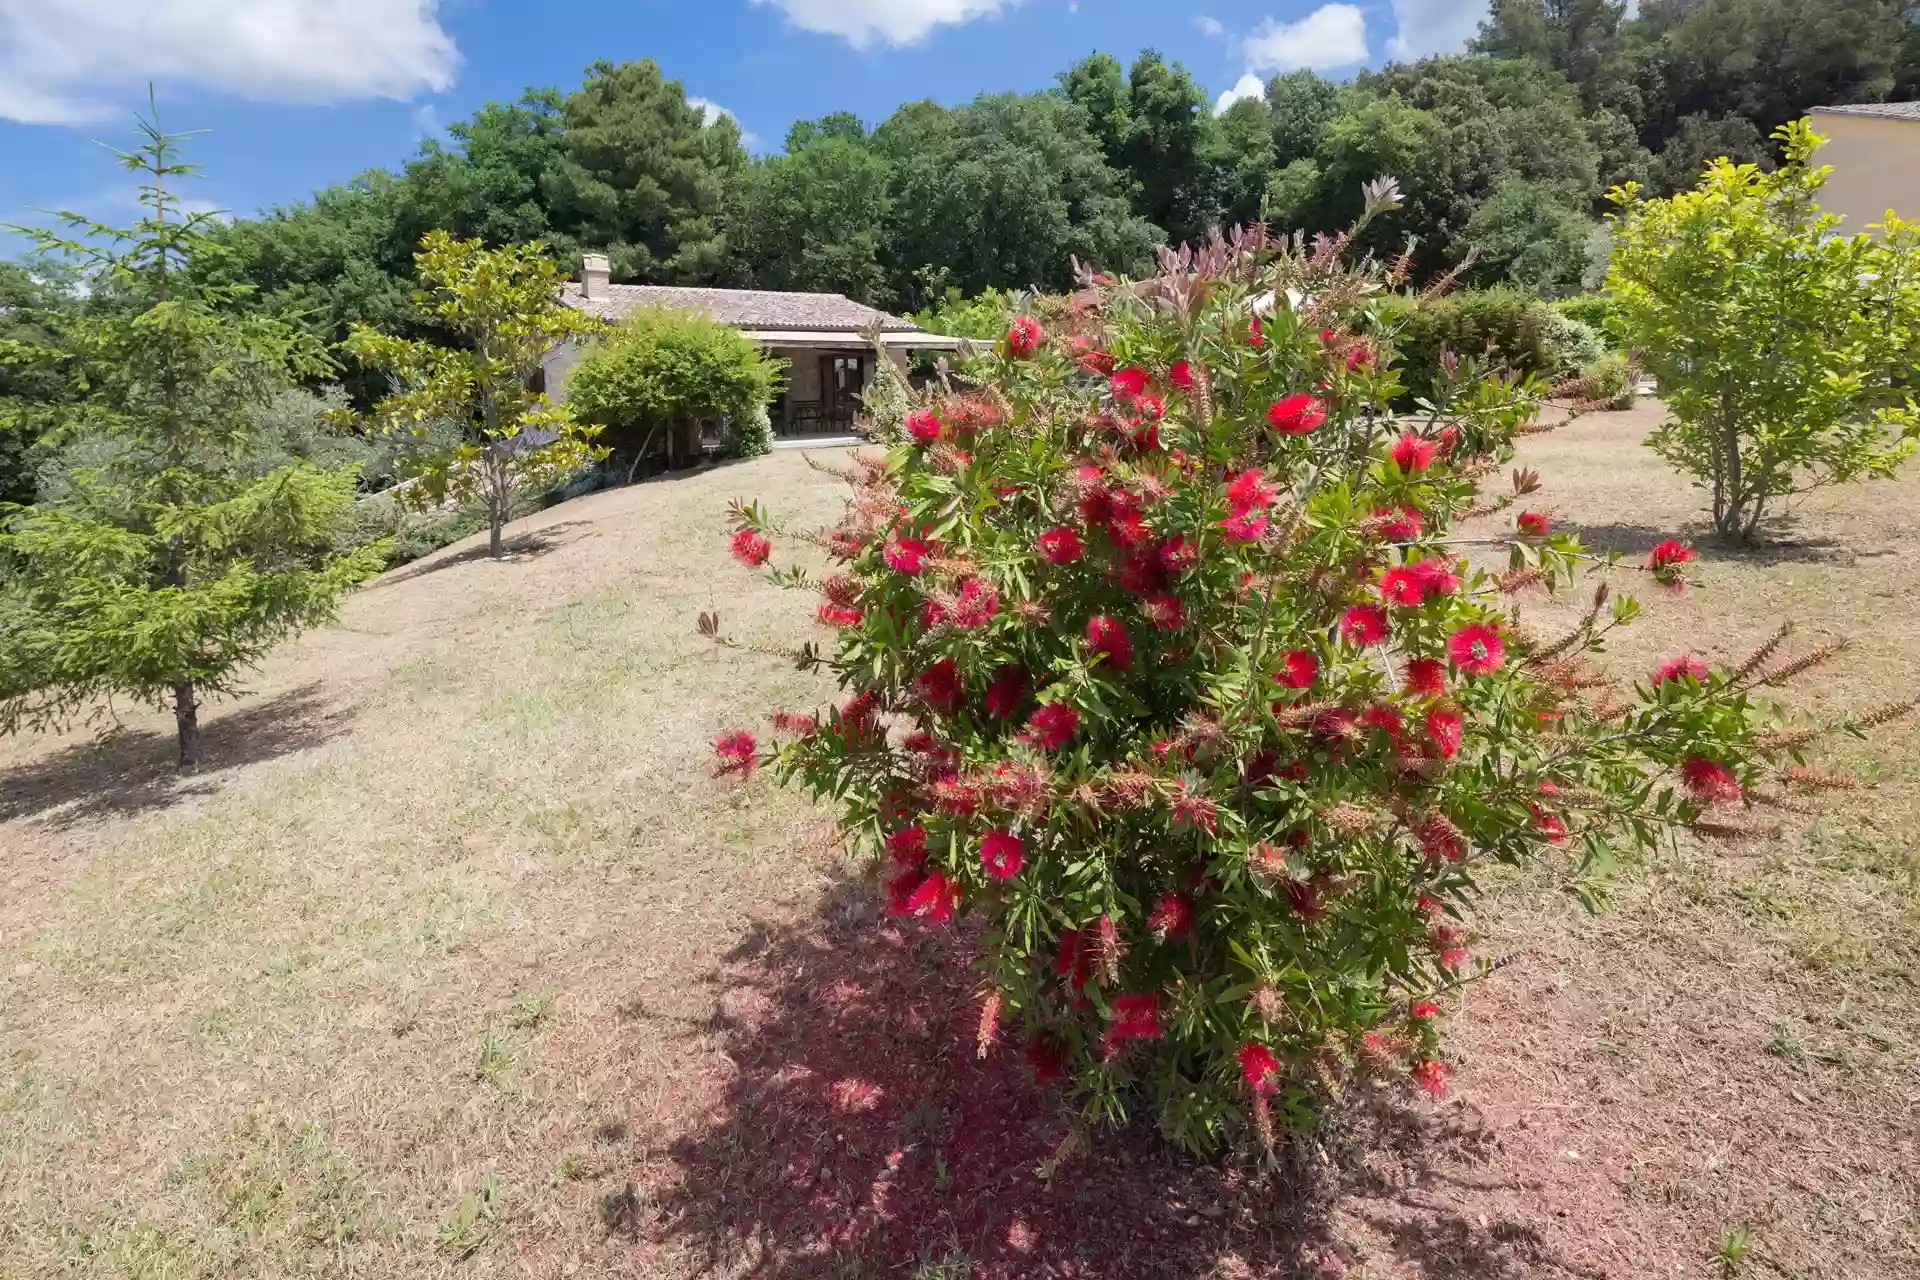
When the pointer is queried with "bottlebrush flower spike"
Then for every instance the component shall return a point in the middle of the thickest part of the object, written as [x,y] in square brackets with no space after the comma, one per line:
[1171,917]
[1060,546]
[1682,667]
[1412,454]
[1533,523]
[738,752]
[1023,337]
[1007,691]
[1665,561]
[935,899]
[924,427]
[1108,639]
[1426,677]
[1710,781]
[1476,649]
[1002,854]
[907,847]
[908,555]
[1181,375]
[1397,523]
[1052,726]
[1298,669]
[1297,415]
[1129,383]
[749,548]
[1364,624]
[1258,1067]
[1431,1077]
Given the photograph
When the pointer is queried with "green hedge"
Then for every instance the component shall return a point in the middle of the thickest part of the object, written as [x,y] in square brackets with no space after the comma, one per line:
[1594,310]
[1502,326]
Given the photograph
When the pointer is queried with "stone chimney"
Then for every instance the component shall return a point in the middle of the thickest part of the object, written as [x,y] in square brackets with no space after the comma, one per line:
[594,278]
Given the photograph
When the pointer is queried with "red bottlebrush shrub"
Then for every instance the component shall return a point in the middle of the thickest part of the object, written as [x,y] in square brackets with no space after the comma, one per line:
[1142,707]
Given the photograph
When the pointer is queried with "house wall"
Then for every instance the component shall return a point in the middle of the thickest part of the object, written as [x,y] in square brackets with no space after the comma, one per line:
[557,364]
[1876,167]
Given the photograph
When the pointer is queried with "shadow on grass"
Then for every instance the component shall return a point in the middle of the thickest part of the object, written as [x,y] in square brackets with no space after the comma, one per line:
[132,770]
[1634,541]
[861,1135]
[522,546]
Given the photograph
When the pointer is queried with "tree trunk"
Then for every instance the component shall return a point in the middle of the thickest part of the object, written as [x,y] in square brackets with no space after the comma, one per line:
[496,544]
[186,717]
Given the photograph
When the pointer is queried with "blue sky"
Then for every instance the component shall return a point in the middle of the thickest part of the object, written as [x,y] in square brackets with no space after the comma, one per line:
[297,94]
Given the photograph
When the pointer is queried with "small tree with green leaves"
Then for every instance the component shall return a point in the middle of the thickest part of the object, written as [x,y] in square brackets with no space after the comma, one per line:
[175,559]
[661,368]
[1785,351]
[504,307]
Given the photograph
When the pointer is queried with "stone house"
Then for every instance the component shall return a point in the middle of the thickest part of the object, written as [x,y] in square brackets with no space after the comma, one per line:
[823,337]
[1874,148]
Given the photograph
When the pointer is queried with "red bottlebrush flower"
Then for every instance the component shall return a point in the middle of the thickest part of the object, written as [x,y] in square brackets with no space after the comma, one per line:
[1424,1009]
[1171,917]
[1453,957]
[795,722]
[1074,960]
[1047,1057]
[1304,898]
[939,686]
[1142,573]
[839,615]
[1426,677]
[1328,337]
[1181,375]
[1385,719]
[1431,1077]
[1001,854]
[1297,415]
[1533,523]
[1149,409]
[1364,624]
[907,847]
[935,898]
[1135,1017]
[1298,669]
[1359,356]
[1007,690]
[1165,612]
[1436,577]
[1023,337]
[1677,668]
[1476,649]
[976,606]
[1444,730]
[1089,359]
[1709,780]
[1193,810]
[907,555]
[932,614]
[1256,335]
[924,427]
[1259,1066]
[1129,383]
[1060,546]
[919,741]
[1404,586]
[1665,561]
[900,891]
[1247,528]
[1128,529]
[1052,726]
[1250,491]
[1440,840]
[1412,454]
[1548,825]
[738,752]
[1178,554]
[1106,637]
[749,548]
[1398,524]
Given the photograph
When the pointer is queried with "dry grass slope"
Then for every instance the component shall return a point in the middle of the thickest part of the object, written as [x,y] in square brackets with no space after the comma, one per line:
[457,961]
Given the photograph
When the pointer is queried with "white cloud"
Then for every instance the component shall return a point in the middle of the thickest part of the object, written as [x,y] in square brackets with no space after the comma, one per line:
[1209,27]
[64,61]
[1334,35]
[710,111]
[865,23]
[426,121]
[1433,26]
[1248,86]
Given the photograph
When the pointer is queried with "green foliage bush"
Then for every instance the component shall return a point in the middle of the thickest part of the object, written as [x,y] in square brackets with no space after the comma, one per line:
[1574,344]
[1595,310]
[660,369]
[1611,382]
[1786,352]
[1158,658]
[751,434]
[1498,328]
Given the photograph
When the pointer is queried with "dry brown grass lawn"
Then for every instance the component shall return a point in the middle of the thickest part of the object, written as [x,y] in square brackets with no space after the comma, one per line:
[457,961]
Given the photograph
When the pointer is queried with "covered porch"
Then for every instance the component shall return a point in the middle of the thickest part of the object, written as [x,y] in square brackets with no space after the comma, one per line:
[828,373]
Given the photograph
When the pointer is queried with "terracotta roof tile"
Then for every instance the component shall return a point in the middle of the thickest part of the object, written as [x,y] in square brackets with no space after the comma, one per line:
[743,308]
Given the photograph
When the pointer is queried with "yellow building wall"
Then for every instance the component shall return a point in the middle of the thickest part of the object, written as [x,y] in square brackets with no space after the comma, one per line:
[1876,167]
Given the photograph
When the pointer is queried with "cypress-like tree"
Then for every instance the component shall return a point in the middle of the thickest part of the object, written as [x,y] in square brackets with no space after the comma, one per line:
[175,561]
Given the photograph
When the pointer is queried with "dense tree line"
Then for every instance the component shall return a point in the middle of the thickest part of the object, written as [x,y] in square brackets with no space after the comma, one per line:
[1507,150]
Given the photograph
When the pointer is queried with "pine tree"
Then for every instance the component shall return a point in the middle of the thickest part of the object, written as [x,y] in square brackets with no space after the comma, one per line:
[504,306]
[175,562]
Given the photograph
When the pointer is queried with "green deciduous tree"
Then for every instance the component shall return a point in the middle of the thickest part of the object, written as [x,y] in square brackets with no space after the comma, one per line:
[503,306]
[172,563]
[815,218]
[1527,238]
[1785,352]
[662,368]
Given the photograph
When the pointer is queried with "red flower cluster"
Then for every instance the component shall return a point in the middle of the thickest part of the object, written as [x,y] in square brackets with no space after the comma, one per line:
[1107,639]
[1533,523]
[1426,677]
[750,549]
[738,752]
[1023,337]
[1682,667]
[1135,1017]
[1129,383]
[1298,669]
[1710,781]
[1665,561]
[1364,624]
[924,427]
[1397,524]
[1181,376]
[1171,917]
[1052,726]
[1476,649]
[1412,454]
[908,555]
[1296,415]
[1060,546]
[1002,854]
[1259,1067]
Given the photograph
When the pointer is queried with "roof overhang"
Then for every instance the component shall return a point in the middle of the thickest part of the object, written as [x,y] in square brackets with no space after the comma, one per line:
[840,339]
